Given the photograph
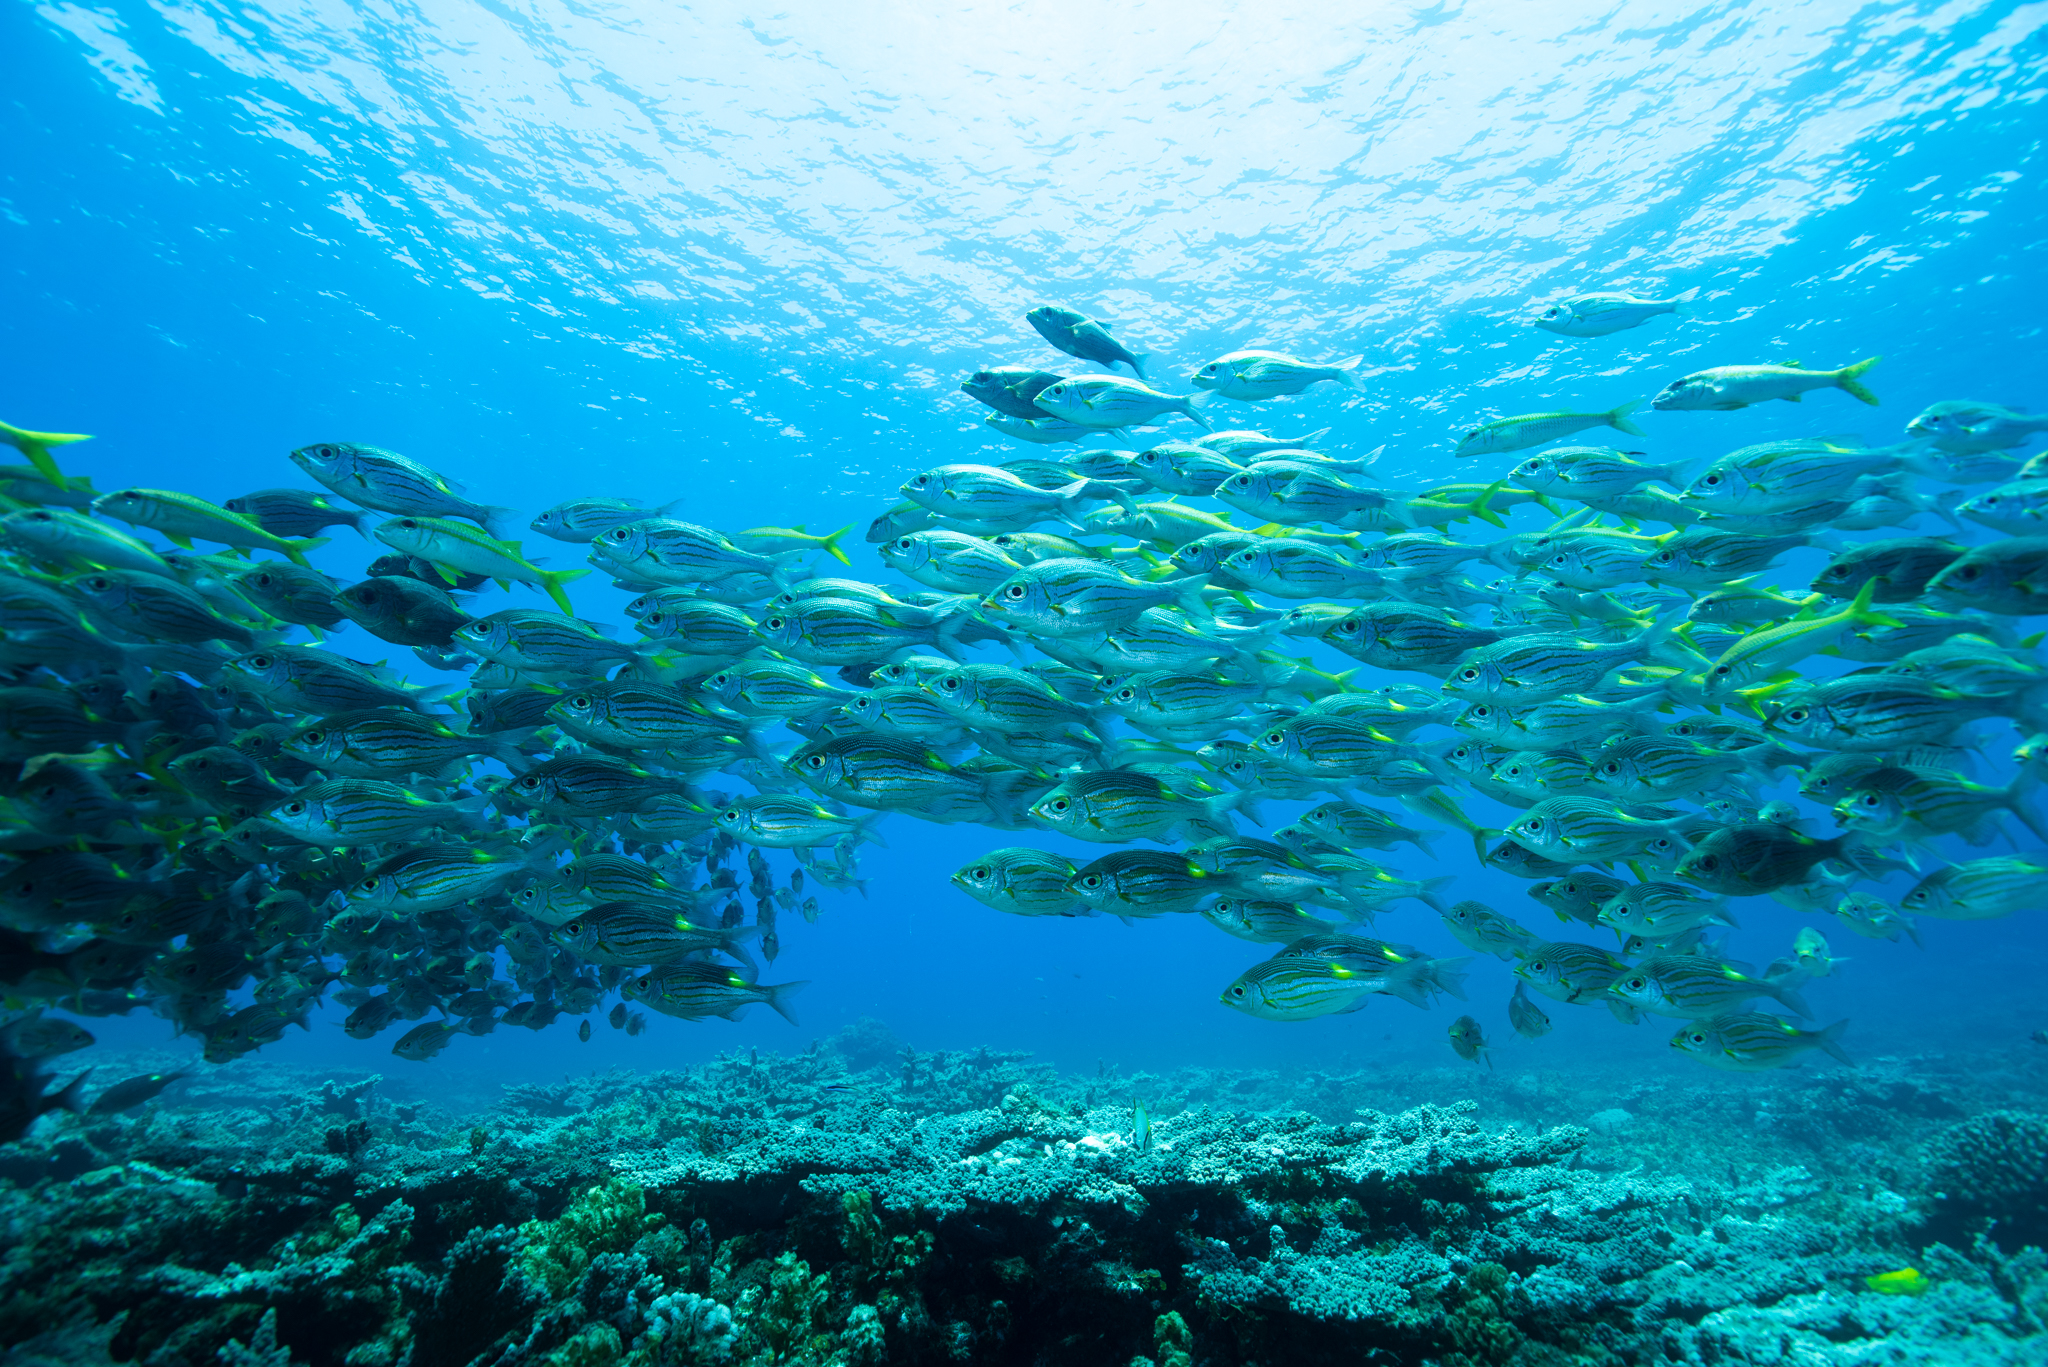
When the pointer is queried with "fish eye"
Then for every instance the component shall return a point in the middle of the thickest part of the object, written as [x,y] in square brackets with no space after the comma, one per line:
[814,762]
[1710,479]
[1274,738]
[313,737]
[1237,991]
[902,543]
[978,873]
[619,534]
[1468,674]
[1058,804]
[294,808]
[773,624]
[1014,592]
[1635,984]
[1697,1037]
[1796,714]
[1968,572]
[260,661]
[951,683]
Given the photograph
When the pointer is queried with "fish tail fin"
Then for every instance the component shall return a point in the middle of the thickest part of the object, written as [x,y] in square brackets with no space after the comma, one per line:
[1347,372]
[865,830]
[778,997]
[1446,975]
[1829,1042]
[68,1098]
[552,581]
[295,551]
[830,545]
[1617,418]
[1863,614]
[1482,506]
[1430,888]
[36,446]
[1201,419]
[1439,805]
[1138,359]
[1849,378]
[1681,305]
[1244,802]
[503,523]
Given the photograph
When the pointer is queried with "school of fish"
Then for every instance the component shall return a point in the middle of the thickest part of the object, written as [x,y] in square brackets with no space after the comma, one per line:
[1149,644]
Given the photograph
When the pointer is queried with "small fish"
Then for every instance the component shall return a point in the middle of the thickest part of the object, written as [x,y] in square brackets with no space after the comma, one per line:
[1022,882]
[580,519]
[1981,889]
[1107,402]
[1537,429]
[451,547]
[1696,986]
[1254,376]
[1729,387]
[1600,315]
[1086,338]
[1010,389]
[1899,568]
[1480,928]
[1468,1042]
[390,483]
[1525,1016]
[294,512]
[692,991]
[583,1032]
[1966,427]
[1905,1281]
[129,1093]
[2006,577]
[1753,1041]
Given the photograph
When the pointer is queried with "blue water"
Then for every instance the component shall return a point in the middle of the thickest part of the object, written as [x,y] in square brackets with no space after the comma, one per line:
[560,249]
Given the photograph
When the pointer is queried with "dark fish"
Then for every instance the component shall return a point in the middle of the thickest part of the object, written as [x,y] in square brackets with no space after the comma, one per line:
[1010,389]
[1082,336]
[294,512]
[403,610]
[129,1093]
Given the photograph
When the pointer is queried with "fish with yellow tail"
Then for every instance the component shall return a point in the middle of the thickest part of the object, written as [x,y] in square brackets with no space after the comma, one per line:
[36,446]
[454,546]
[1728,387]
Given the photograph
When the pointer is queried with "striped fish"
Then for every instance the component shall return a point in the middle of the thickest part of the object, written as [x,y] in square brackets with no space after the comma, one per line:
[1141,883]
[1301,989]
[631,715]
[1480,928]
[634,934]
[1264,922]
[436,878]
[1751,1041]
[1695,987]
[362,811]
[774,688]
[1407,636]
[840,631]
[692,991]
[385,743]
[1662,911]
[1877,712]
[662,550]
[905,710]
[1566,971]
[1022,882]
[543,644]
[1070,598]
[1533,668]
[1979,889]
[1592,830]
[1112,806]
[450,547]
[390,483]
[785,821]
[1302,569]
[882,773]
[317,682]
[590,785]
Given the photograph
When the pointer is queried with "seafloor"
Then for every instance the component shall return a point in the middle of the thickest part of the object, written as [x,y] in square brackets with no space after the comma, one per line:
[862,1204]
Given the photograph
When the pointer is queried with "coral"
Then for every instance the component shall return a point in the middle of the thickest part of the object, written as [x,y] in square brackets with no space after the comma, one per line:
[606,1219]
[1993,1169]
[763,1210]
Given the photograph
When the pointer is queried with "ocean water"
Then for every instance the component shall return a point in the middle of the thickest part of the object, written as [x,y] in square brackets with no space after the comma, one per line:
[742,260]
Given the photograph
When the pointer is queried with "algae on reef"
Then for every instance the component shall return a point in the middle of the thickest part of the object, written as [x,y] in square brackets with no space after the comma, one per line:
[975,1208]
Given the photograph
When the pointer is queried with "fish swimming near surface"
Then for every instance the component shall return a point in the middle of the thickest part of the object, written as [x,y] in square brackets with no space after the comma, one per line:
[1601,315]
[1086,338]
[1728,387]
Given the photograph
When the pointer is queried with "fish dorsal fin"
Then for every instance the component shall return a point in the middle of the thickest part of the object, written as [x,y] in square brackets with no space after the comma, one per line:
[1793,363]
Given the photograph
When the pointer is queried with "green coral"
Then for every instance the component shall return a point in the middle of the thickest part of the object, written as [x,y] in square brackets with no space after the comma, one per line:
[606,1219]
[1174,1341]
[790,1316]
[597,1345]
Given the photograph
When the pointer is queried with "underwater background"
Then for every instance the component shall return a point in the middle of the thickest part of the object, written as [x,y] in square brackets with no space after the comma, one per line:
[743,260]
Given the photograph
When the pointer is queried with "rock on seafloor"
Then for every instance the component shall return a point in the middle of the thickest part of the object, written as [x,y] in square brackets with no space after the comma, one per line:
[976,1207]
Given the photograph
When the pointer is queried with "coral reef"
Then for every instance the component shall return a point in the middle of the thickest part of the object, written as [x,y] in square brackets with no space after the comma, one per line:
[978,1207]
